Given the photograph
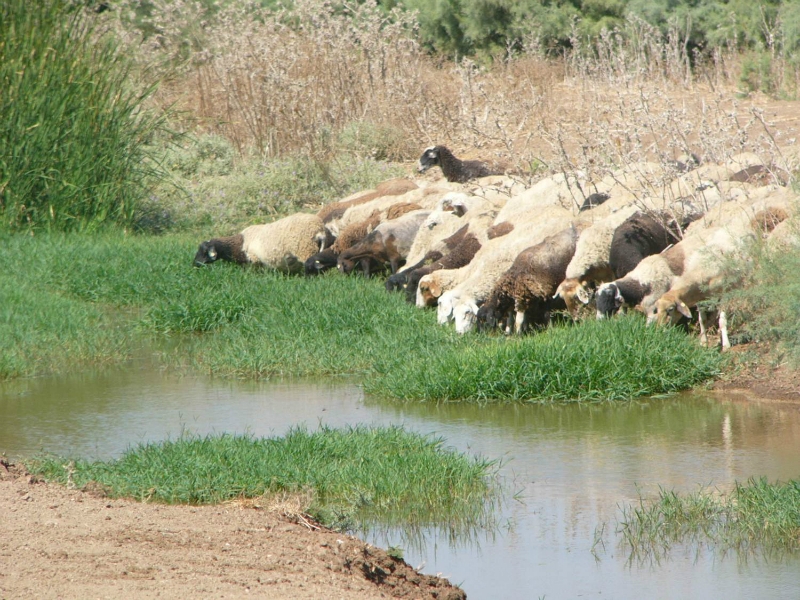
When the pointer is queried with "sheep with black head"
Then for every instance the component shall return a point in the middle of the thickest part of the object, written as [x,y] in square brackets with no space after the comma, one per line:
[454,169]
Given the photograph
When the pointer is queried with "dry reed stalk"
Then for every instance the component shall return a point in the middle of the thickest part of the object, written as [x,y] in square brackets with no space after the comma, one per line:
[287,83]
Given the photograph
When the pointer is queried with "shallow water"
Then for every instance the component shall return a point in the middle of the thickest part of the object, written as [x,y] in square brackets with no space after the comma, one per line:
[571,466]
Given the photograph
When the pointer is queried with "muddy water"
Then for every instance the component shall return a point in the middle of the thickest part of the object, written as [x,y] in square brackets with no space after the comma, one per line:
[570,466]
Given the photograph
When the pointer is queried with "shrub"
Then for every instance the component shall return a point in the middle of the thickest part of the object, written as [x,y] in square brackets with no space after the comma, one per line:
[72,130]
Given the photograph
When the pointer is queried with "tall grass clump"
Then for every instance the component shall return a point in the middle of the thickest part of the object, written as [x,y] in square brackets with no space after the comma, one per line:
[613,359]
[754,515]
[72,129]
[357,475]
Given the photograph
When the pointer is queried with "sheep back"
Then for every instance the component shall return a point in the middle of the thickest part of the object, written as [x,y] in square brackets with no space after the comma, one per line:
[284,245]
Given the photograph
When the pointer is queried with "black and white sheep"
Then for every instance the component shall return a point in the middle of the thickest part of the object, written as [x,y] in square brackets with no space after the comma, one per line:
[655,275]
[454,169]
[640,235]
[591,263]
[283,245]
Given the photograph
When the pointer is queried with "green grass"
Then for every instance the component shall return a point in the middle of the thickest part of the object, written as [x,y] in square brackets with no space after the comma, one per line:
[248,322]
[356,476]
[72,128]
[767,307]
[754,515]
[614,359]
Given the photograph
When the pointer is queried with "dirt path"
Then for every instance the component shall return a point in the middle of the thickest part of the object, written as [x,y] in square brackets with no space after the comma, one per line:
[61,543]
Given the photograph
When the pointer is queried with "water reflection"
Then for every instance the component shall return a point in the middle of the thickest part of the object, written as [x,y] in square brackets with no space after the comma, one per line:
[571,467]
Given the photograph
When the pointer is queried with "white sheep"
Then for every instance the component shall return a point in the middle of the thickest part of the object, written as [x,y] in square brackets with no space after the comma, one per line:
[283,245]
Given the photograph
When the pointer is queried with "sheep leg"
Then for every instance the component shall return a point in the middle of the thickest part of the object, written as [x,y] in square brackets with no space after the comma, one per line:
[723,331]
[702,319]
[519,321]
[506,323]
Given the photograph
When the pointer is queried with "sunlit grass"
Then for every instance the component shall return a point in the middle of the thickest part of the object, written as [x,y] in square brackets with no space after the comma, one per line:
[250,322]
[355,476]
[614,359]
[755,515]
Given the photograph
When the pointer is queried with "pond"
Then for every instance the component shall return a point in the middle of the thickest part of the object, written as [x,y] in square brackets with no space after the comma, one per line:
[571,468]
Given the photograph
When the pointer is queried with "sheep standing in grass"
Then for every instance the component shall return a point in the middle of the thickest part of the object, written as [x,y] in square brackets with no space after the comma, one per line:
[457,251]
[526,289]
[710,271]
[353,234]
[494,258]
[454,169]
[283,245]
[599,259]
[591,264]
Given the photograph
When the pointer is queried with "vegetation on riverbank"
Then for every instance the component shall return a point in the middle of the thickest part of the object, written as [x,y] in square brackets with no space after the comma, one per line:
[260,324]
[349,478]
[753,515]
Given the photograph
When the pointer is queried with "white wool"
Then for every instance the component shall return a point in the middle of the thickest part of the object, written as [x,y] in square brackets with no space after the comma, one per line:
[281,244]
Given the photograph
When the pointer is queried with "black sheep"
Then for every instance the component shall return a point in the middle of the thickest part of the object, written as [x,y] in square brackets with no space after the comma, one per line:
[454,169]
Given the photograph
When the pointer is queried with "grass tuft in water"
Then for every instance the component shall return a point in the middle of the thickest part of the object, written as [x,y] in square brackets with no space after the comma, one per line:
[356,476]
[754,515]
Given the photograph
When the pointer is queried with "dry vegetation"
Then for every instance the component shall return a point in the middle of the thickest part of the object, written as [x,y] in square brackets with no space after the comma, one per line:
[317,81]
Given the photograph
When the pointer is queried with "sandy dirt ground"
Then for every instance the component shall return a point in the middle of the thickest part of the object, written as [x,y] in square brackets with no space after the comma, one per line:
[62,543]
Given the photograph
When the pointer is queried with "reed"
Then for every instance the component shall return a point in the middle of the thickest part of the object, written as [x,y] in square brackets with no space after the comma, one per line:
[355,476]
[73,130]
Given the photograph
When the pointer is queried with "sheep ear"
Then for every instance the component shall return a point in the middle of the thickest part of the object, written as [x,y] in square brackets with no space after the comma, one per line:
[582,294]
[212,253]
[618,299]
[436,291]
[684,310]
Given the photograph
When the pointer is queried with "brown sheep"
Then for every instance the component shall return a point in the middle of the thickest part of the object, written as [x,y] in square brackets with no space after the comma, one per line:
[389,243]
[526,290]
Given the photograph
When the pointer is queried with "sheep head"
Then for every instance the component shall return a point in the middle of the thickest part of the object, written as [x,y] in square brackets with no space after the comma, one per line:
[429,158]
[206,254]
[428,291]
[345,265]
[226,248]
[465,316]
[444,310]
[670,309]
[573,291]
[608,300]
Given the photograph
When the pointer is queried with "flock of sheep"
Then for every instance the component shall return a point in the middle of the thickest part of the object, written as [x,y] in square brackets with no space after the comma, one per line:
[491,252]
